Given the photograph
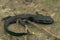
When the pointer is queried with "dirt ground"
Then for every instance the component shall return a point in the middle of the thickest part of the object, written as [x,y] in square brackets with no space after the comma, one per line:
[42,32]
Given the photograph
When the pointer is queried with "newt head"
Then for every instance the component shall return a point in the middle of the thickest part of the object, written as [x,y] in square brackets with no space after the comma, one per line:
[43,19]
[47,20]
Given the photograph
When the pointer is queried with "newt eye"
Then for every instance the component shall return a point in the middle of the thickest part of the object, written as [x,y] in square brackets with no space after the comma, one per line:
[47,21]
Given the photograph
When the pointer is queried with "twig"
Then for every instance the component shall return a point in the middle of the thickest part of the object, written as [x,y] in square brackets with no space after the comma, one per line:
[45,30]
[28,31]
[25,38]
[26,28]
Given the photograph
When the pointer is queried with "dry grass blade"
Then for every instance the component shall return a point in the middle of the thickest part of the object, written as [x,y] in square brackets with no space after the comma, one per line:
[27,30]
[25,38]
[46,30]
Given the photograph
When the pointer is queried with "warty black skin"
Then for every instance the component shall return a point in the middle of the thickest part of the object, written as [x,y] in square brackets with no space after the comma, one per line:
[38,18]
[9,22]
